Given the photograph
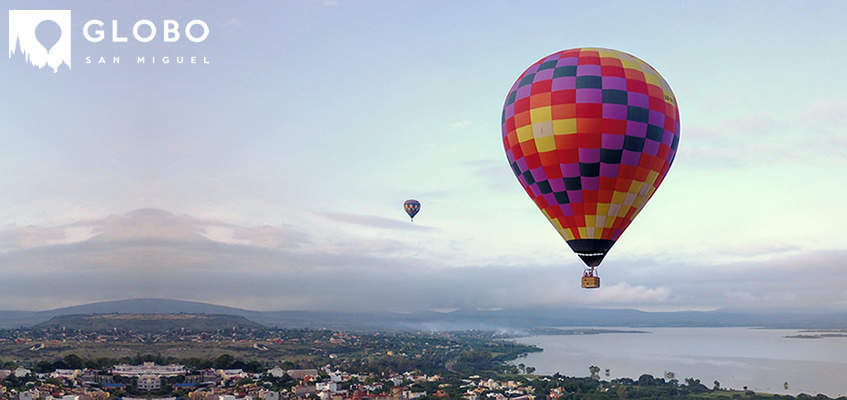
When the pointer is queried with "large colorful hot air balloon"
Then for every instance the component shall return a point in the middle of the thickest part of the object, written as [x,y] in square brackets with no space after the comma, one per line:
[590,134]
[412,207]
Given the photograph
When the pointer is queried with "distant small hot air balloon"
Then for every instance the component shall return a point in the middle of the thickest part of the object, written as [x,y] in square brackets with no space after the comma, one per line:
[412,207]
[590,134]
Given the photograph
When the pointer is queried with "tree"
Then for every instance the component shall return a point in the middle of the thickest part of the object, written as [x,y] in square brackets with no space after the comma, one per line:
[594,370]
[224,361]
[243,381]
[717,385]
[670,376]
[695,386]
[646,380]
[73,361]
[55,381]
[43,366]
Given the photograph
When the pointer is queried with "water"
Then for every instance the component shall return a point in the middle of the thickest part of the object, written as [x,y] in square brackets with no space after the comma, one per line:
[761,359]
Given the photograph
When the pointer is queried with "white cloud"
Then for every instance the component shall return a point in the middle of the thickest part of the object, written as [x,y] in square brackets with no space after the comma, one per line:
[622,293]
[17,238]
[740,296]
[154,253]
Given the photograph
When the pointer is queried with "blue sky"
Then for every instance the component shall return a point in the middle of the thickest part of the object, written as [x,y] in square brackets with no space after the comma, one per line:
[273,177]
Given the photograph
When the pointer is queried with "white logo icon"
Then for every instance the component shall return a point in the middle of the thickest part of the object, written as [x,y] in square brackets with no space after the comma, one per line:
[42,36]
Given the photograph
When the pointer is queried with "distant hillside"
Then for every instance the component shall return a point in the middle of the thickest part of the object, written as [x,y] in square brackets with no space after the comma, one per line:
[514,319]
[150,323]
[16,319]
[149,306]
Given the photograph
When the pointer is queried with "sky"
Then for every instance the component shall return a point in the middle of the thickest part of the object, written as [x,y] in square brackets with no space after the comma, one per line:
[271,173]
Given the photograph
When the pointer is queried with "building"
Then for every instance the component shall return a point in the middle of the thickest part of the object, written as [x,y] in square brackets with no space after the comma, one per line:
[148,368]
[67,374]
[149,382]
[149,374]
[331,387]
[303,390]
[21,372]
[302,373]
[265,394]
[31,394]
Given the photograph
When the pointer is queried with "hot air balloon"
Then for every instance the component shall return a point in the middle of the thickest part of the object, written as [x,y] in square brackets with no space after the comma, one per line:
[590,134]
[412,207]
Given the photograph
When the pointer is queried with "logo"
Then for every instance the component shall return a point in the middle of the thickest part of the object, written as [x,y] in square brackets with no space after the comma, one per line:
[41,37]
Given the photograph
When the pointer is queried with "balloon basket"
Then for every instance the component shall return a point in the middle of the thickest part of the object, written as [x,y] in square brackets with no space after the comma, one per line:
[590,282]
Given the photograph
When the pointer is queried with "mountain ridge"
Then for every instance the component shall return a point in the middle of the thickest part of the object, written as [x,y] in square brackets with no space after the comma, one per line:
[462,319]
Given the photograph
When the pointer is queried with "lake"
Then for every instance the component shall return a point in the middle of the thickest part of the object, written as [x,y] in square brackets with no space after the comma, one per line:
[761,359]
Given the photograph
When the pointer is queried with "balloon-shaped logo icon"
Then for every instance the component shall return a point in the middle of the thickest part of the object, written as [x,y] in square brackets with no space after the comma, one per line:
[590,134]
[48,33]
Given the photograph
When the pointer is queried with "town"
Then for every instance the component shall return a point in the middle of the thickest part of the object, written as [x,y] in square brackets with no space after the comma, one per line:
[138,357]
[227,384]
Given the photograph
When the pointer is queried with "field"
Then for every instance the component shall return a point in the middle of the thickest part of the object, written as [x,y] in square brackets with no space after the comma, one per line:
[24,353]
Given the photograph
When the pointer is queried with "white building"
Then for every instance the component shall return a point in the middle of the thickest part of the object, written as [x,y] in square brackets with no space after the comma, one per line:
[69,374]
[227,374]
[149,374]
[265,394]
[302,373]
[29,395]
[149,382]
[331,387]
[148,368]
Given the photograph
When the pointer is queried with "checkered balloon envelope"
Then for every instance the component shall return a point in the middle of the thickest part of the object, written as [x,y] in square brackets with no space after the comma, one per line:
[590,133]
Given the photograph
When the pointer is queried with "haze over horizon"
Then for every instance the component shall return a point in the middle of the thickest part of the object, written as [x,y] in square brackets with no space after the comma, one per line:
[273,177]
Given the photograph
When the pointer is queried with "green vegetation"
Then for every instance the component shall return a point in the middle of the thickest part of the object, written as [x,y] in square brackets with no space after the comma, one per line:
[147,323]
[194,340]
[462,361]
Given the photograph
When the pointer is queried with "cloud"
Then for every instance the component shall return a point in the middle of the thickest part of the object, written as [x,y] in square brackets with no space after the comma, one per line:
[16,238]
[756,249]
[154,253]
[146,224]
[267,236]
[740,296]
[374,221]
[808,134]
[623,293]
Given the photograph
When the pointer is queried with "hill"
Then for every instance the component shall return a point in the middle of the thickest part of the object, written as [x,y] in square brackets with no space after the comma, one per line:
[150,323]
[500,320]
